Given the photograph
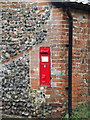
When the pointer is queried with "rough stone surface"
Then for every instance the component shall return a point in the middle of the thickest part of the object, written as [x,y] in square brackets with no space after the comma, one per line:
[22,27]
[17,97]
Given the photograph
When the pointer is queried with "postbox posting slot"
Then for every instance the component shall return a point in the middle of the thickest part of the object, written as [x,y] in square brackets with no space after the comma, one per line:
[44,53]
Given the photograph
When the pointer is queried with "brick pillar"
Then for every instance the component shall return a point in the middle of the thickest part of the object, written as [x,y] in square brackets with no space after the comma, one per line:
[89,52]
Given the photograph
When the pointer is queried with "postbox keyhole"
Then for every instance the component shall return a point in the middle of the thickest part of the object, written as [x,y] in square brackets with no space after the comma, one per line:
[44,66]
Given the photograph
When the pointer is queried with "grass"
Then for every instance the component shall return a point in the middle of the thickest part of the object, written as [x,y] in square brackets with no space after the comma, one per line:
[81,111]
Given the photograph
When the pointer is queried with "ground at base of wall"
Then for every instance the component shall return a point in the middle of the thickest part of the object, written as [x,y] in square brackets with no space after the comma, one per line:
[12,116]
[81,111]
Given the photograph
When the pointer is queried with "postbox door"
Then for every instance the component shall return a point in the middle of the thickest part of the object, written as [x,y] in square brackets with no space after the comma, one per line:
[45,75]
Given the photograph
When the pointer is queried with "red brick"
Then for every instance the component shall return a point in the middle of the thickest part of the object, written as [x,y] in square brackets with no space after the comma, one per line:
[43,3]
[0,103]
[59,109]
[53,76]
[58,80]
[50,92]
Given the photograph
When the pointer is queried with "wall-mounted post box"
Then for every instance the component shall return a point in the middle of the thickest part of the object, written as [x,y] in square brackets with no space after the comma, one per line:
[45,66]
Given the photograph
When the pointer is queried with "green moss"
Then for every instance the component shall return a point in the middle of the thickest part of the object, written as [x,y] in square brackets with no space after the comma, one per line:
[81,111]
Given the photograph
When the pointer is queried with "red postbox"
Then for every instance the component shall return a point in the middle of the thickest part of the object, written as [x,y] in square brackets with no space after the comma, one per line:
[45,66]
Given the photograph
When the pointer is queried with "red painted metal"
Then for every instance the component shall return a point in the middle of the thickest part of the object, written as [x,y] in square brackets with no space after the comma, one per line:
[44,66]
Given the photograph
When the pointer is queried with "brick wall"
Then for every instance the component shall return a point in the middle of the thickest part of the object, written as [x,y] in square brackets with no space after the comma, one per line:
[57,39]
[25,28]
[89,53]
[80,57]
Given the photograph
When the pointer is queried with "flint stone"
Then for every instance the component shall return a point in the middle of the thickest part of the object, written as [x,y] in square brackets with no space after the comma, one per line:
[7,55]
[19,84]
